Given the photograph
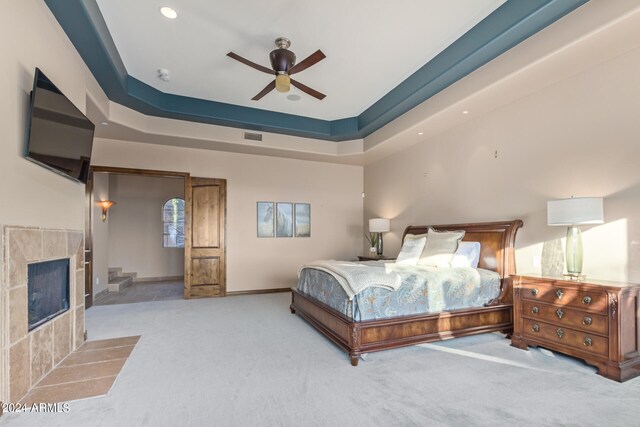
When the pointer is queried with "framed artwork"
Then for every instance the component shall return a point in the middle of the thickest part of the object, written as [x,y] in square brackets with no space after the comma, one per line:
[303,220]
[266,219]
[284,219]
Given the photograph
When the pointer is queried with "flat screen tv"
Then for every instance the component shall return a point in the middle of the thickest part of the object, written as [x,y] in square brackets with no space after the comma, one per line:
[60,137]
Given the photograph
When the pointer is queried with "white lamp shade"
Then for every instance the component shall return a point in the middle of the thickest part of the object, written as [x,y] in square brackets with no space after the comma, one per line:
[379,225]
[575,211]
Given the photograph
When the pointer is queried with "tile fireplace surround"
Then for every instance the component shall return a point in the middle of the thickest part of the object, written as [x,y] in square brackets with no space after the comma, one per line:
[27,356]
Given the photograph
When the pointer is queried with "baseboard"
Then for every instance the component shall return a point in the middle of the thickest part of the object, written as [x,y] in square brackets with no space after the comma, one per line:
[258,291]
[157,279]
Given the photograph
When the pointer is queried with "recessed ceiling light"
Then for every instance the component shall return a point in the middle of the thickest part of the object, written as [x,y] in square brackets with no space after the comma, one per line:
[168,13]
[293,97]
[420,133]
[105,123]
[465,111]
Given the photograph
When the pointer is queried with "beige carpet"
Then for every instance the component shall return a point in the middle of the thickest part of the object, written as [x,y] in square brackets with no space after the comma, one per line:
[246,361]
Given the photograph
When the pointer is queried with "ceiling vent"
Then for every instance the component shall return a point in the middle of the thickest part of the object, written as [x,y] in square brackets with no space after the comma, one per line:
[253,136]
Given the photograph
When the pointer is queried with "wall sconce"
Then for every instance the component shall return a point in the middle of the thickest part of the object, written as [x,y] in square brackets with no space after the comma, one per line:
[105,205]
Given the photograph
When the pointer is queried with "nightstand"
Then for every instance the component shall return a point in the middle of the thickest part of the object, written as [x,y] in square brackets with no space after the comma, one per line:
[375,258]
[593,320]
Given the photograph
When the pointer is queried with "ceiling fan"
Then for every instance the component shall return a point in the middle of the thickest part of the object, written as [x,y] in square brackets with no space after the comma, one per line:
[283,64]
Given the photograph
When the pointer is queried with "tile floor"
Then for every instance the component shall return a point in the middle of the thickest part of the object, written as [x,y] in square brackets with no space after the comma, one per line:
[87,372]
[143,292]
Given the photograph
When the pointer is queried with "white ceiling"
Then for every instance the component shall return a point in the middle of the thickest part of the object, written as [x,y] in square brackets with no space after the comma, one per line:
[371,46]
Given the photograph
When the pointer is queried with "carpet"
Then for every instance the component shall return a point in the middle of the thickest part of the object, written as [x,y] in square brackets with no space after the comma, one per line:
[246,361]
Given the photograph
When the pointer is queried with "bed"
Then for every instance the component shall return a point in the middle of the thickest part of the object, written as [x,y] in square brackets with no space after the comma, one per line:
[360,333]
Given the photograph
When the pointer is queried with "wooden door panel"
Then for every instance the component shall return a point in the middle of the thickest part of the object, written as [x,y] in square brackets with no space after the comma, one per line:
[205,224]
[204,271]
[206,201]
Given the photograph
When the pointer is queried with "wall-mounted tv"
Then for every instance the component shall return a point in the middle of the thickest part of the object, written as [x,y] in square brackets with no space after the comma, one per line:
[60,137]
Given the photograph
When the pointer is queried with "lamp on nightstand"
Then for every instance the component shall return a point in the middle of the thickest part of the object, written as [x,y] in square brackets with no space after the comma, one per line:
[572,213]
[379,225]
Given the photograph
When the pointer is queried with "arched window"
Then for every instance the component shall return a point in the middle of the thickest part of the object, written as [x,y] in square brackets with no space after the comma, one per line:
[173,223]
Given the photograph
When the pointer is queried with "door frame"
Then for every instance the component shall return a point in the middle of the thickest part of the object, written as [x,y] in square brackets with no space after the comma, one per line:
[89,203]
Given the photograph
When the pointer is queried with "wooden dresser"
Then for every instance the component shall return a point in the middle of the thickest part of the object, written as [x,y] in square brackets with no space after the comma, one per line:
[593,320]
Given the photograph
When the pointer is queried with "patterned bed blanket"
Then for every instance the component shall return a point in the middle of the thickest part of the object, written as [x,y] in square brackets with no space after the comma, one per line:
[422,290]
[355,277]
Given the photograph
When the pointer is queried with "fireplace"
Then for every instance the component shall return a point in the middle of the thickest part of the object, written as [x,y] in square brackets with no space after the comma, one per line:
[41,304]
[47,290]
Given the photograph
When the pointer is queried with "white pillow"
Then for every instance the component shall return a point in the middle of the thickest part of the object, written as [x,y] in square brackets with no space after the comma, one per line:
[411,250]
[440,247]
[467,255]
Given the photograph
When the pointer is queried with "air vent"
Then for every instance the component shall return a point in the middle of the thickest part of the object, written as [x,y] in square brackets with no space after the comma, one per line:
[253,136]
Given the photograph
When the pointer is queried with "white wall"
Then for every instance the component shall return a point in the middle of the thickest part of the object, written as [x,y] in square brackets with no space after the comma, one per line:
[576,137]
[334,192]
[135,230]
[100,234]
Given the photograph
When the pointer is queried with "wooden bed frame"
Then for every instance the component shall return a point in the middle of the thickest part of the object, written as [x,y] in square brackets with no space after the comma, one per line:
[497,254]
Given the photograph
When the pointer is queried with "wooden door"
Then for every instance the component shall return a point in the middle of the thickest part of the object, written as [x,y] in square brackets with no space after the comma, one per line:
[88,243]
[205,271]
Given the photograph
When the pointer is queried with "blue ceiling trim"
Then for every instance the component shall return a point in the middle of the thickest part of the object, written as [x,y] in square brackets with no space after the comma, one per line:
[510,24]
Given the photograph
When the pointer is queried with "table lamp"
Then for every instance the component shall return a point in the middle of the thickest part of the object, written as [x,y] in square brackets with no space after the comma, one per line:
[379,225]
[572,213]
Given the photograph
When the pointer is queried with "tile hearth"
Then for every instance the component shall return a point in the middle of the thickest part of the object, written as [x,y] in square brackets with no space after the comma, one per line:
[89,371]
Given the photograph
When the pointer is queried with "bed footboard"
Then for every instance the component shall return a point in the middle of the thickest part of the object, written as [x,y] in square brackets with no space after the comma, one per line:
[375,335]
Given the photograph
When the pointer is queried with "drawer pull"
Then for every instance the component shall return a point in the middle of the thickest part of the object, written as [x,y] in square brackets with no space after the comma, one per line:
[559,313]
[534,292]
[586,300]
[587,320]
[535,310]
[587,342]
[559,294]
[535,328]
[560,332]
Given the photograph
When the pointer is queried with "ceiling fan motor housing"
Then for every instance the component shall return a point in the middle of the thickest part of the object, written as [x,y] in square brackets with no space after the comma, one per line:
[282,60]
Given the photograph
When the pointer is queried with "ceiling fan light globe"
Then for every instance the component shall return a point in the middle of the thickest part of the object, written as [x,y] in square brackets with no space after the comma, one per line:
[283,82]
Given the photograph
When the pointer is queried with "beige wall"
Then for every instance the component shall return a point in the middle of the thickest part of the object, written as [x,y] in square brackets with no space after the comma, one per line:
[135,225]
[576,137]
[334,192]
[29,194]
[100,234]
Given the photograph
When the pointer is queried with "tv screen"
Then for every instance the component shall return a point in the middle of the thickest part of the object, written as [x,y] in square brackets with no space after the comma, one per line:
[60,136]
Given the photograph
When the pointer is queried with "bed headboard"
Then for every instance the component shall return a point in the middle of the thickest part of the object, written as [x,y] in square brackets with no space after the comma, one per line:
[497,242]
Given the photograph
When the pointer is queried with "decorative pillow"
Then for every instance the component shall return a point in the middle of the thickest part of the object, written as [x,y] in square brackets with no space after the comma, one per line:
[411,250]
[415,236]
[467,255]
[440,247]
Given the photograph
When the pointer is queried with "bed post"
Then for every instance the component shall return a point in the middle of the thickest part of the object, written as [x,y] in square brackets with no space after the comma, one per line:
[354,343]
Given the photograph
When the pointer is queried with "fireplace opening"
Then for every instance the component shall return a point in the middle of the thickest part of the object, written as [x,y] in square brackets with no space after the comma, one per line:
[47,290]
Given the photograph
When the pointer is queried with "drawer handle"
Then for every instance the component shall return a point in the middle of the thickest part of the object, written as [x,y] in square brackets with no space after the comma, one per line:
[559,294]
[587,342]
[587,320]
[534,292]
[560,332]
[559,313]
[535,310]
[586,300]
[535,328]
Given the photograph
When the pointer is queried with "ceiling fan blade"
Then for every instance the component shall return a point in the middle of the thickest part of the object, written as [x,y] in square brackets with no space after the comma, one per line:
[310,60]
[268,88]
[250,63]
[308,90]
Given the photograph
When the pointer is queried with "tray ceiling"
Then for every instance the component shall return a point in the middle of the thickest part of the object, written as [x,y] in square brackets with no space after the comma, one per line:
[383,58]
